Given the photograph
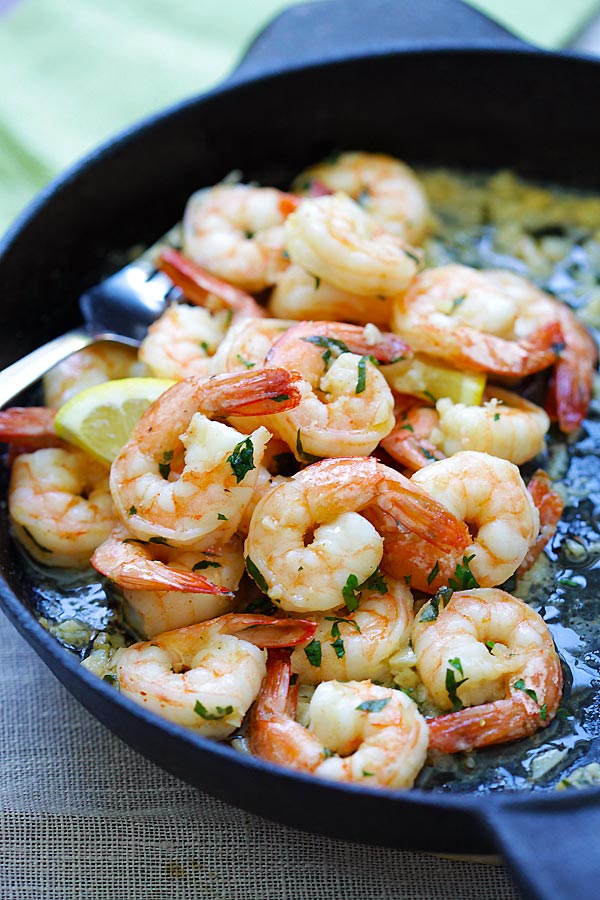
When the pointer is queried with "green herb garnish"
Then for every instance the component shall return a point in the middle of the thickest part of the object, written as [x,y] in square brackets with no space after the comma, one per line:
[257,575]
[219,713]
[305,457]
[244,362]
[242,459]
[431,610]
[452,685]
[373,705]
[314,653]
[164,467]
[205,564]
[463,579]
[361,381]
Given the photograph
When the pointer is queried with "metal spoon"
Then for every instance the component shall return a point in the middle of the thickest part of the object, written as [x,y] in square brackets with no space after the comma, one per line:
[119,309]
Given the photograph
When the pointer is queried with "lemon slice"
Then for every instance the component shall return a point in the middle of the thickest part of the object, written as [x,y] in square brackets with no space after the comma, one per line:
[101,418]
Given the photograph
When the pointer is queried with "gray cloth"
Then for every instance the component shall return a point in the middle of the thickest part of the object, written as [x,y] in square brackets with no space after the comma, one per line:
[83,817]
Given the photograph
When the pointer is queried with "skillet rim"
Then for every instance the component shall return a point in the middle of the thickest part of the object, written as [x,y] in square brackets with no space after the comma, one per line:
[45,645]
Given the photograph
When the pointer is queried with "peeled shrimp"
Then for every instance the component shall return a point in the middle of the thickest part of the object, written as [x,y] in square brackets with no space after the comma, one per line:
[474,320]
[307,546]
[185,479]
[347,406]
[334,239]
[409,442]
[60,505]
[354,646]
[489,652]
[29,427]
[88,367]
[205,676]
[165,589]
[247,344]
[385,187]
[489,495]
[299,295]
[235,231]
[358,731]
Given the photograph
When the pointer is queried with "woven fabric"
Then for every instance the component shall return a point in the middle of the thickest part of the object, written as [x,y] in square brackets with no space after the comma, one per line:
[83,817]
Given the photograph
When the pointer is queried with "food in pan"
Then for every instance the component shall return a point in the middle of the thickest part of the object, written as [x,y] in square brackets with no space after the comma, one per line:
[317,532]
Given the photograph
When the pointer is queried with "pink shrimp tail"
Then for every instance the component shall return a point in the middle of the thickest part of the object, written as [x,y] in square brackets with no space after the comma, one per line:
[152,575]
[29,427]
[550,506]
[480,726]
[267,631]
[196,283]
[253,393]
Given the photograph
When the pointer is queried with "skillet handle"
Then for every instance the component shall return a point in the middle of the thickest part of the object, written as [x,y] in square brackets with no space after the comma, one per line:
[317,32]
[551,845]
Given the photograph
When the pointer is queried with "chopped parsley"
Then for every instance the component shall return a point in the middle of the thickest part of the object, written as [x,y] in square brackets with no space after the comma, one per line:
[335,628]
[361,381]
[280,398]
[434,573]
[257,575]
[352,589]
[456,664]
[305,457]
[131,511]
[412,256]
[338,646]
[520,686]
[490,645]
[204,346]
[430,396]
[159,540]
[241,459]
[452,685]
[333,348]
[222,518]
[314,653]
[317,282]
[219,713]
[543,712]
[164,467]
[244,362]
[463,579]
[373,705]
[496,417]
[431,610]
[457,302]
[205,564]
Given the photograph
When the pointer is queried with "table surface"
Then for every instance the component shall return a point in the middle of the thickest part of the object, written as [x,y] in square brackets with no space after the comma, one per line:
[84,816]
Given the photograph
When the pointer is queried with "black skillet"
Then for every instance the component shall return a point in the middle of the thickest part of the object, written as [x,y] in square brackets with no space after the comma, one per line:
[430,81]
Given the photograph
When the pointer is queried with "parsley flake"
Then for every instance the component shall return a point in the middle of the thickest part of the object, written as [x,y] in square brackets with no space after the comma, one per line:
[457,302]
[219,713]
[242,459]
[222,518]
[305,457]
[373,705]
[338,646]
[255,573]
[434,573]
[452,685]
[244,362]
[361,381]
[131,511]
[164,467]
[520,686]
[314,653]
[463,579]
[431,610]
[205,564]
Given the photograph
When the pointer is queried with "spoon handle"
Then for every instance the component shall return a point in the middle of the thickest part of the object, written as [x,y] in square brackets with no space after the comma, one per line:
[25,372]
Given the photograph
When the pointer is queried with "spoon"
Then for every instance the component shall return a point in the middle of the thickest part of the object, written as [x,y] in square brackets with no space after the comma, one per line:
[119,309]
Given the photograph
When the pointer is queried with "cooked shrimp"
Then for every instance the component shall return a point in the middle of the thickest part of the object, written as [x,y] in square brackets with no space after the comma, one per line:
[247,344]
[489,495]
[308,547]
[357,731]
[409,443]
[90,366]
[474,320]
[235,231]
[60,505]
[29,427]
[184,340]
[354,646]
[204,676]
[492,653]
[205,502]
[165,589]
[507,426]
[299,295]
[347,406]
[385,187]
[334,239]
[550,505]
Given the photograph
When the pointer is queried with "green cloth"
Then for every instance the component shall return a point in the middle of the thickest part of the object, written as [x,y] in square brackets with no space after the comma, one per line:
[74,73]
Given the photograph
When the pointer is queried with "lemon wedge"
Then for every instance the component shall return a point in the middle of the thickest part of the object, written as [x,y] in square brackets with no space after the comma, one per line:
[431,380]
[101,418]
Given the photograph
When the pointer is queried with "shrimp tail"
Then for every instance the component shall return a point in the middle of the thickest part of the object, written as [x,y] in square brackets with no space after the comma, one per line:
[152,575]
[480,726]
[570,392]
[30,427]
[267,631]
[252,393]
[413,508]
[196,283]
[550,506]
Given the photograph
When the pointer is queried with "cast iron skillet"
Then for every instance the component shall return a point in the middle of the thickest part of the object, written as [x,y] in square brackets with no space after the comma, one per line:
[432,82]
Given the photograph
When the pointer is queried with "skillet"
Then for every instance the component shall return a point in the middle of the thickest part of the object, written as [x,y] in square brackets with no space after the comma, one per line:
[433,82]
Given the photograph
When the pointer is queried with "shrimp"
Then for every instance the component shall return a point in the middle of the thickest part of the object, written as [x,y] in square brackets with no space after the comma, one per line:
[236,232]
[358,731]
[184,340]
[474,321]
[165,589]
[385,187]
[493,654]
[60,505]
[409,441]
[29,427]
[347,406]
[310,550]
[507,426]
[205,502]
[247,344]
[299,295]
[354,646]
[489,495]
[92,365]
[334,239]
[550,505]
[207,675]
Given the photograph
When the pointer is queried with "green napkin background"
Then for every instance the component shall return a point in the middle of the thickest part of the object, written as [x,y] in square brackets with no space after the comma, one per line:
[74,73]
